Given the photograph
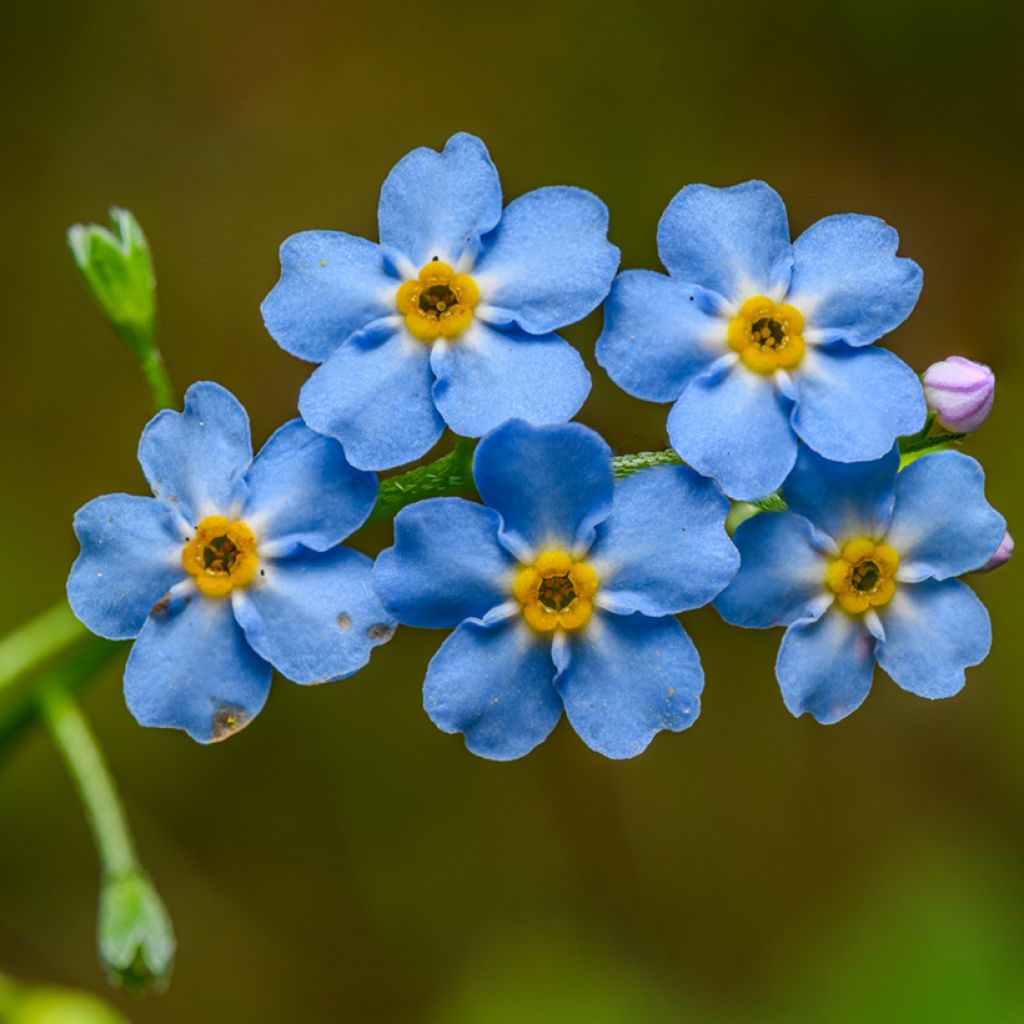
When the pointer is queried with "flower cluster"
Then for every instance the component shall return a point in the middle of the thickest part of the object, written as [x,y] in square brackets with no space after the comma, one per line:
[562,584]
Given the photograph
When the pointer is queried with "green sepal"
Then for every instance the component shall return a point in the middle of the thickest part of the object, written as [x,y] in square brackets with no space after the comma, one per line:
[136,939]
[118,270]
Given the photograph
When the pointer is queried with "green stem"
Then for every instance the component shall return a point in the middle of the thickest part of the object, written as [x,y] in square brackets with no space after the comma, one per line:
[38,640]
[452,474]
[626,465]
[916,445]
[85,763]
[20,712]
[151,362]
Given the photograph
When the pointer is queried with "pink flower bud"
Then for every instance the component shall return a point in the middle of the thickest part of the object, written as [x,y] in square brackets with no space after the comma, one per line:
[961,392]
[1002,554]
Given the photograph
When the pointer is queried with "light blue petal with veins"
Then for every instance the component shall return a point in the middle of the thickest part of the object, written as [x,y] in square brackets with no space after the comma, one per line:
[657,337]
[933,631]
[627,678]
[494,684]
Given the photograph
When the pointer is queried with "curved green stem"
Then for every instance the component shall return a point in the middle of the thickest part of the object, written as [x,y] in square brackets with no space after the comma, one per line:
[78,666]
[452,474]
[38,640]
[87,767]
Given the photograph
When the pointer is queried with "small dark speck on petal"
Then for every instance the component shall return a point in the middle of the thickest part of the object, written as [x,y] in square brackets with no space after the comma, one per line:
[344,620]
[380,631]
[110,519]
[228,719]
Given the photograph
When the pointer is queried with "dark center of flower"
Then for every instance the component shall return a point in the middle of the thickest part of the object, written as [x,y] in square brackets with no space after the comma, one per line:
[437,299]
[865,576]
[220,554]
[768,334]
[556,592]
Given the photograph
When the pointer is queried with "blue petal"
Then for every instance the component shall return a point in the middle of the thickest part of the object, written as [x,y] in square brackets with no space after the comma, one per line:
[843,499]
[735,428]
[848,281]
[488,376]
[302,491]
[825,667]
[548,262]
[550,485]
[195,460]
[942,525]
[315,616]
[494,684]
[192,669]
[733,241]
[373,395]
[852,404]
[782,574]
[933,631]
[664,548]
[446,564]
[627,678]
[436,204]
[131,557]
[656,338]
[331,285]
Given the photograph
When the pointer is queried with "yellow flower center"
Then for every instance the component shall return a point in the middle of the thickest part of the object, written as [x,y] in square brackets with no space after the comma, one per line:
[862,576]
[767,335]
[556,591]
[439,303]
[221,556]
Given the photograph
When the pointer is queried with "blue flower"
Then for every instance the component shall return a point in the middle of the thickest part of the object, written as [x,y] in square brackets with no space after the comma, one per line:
[232,568]
[861,569]
[450,319]
[562,589]
[759,341]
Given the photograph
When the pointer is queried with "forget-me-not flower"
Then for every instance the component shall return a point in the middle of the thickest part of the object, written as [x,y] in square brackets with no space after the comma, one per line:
[861,569]
[450,319]
[759,341]
[232,568]
[562,589]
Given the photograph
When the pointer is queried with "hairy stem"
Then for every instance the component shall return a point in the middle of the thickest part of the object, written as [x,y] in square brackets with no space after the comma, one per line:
[452,474]
[626,465]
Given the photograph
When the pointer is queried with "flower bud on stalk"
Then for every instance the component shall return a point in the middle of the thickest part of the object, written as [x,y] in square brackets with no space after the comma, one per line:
[961,392]
[136,940]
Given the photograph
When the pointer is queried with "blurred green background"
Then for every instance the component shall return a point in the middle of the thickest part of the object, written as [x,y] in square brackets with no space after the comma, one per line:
[344,860]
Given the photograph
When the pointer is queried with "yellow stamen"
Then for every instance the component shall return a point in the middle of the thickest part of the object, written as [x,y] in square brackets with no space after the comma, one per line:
[556,591]
[862,576]
[221,556]
[767,335]
[439,303]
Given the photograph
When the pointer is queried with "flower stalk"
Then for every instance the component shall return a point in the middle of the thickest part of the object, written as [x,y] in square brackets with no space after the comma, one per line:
[135,937]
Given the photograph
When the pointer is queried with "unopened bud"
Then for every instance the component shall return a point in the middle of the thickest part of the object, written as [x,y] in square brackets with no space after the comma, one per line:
[960,392]
[136,940]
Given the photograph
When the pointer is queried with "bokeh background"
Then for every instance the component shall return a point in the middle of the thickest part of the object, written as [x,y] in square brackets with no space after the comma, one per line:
[342,860]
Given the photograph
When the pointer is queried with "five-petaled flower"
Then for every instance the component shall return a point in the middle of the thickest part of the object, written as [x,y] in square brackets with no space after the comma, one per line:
[759,341]
[861,569]
[450,319]
[562,588]
[232,568]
